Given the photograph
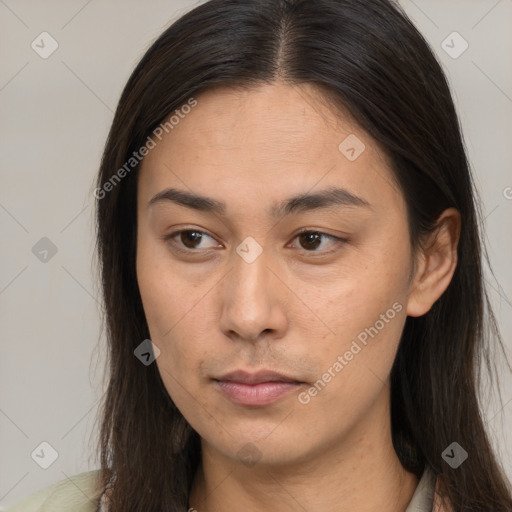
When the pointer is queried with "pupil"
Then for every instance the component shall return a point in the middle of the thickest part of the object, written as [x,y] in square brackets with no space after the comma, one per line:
[310,236]
[194,235]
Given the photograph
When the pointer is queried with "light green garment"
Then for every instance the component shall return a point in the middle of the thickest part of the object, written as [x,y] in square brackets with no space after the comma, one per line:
[76,494]
[80,494]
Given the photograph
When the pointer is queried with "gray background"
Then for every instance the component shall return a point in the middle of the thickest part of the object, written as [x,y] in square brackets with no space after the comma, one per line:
[54,118]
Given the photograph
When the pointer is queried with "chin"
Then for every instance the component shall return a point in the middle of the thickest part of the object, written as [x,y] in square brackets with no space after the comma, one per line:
[255,451]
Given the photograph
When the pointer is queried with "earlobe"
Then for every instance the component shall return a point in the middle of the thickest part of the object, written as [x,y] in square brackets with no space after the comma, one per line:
[436,264]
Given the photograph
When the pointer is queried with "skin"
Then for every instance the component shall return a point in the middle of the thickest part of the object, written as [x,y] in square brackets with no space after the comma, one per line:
[294,309]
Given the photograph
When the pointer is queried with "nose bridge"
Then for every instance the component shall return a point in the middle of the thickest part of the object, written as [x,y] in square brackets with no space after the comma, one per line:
[250,304]
[249,276]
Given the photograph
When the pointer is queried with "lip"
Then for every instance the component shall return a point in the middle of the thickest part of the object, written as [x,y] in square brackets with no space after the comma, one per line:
[256,389]
[257,377]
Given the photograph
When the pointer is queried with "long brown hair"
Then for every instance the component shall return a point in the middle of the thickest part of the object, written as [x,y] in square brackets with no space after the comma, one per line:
[366,57]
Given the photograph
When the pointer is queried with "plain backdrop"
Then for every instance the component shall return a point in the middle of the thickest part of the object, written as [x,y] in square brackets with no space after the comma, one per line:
[54,117]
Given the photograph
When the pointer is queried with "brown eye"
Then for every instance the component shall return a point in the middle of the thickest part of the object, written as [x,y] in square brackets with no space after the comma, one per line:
[188,240]
[310,240]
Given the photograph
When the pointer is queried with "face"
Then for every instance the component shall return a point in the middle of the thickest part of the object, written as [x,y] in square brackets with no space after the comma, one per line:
[232,284]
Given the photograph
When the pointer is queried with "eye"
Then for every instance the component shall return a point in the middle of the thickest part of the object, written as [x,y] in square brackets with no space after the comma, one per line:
[189,238]
[310,240]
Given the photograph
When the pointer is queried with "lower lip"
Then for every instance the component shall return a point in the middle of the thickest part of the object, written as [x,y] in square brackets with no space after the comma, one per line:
[260,394]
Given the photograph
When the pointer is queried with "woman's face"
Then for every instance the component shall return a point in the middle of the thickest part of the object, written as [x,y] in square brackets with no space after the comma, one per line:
[243,290]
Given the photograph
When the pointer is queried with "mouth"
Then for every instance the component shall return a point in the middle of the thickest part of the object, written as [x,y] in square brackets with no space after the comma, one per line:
[256,389]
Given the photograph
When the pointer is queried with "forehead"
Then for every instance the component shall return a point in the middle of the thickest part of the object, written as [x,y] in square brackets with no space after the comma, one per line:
[274,138]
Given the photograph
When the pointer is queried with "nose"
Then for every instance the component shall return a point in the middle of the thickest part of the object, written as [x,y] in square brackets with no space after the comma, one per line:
[253,299]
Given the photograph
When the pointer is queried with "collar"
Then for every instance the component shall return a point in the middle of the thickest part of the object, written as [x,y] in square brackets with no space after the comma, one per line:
[423,497]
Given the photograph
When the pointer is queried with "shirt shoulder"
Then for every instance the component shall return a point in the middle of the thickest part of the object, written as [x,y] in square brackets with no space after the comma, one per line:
[423,497]
[427,497]
[79,493]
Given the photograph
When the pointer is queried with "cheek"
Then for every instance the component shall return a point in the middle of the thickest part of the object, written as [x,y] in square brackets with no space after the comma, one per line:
[353,364]
[365,311]
[166,293]
[174,303]
[164,299]
[381,275]
[371,282]
[170,309]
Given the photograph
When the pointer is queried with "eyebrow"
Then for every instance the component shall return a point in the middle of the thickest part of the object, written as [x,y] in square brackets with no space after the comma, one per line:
[328,198]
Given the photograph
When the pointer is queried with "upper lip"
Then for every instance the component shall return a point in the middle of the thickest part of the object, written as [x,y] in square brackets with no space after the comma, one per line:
[256,378]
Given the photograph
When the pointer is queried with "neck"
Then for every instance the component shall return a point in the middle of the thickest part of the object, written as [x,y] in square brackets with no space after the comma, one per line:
[361,473]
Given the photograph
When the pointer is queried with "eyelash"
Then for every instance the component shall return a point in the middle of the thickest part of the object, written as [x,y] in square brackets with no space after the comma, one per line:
[338,240]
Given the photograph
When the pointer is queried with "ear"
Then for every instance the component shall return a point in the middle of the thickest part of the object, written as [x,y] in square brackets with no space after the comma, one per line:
[435,264]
